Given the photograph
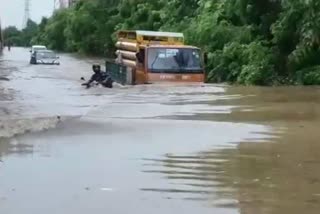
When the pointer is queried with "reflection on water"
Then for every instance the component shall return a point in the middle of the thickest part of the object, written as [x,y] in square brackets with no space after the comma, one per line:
[12,146]
[273,175]
[264,105]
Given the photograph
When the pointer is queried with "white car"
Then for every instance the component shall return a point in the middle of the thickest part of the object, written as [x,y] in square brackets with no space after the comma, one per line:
[46,57]
[33,50]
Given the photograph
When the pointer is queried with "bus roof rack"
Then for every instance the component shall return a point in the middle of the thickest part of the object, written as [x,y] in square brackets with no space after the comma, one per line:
[147,37]
[158,33]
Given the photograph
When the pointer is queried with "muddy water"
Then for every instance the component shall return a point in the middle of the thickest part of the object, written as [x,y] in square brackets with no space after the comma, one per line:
[273,174]
[155,148]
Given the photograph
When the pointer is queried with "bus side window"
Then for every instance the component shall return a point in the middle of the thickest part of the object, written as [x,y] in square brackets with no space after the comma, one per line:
[141,56]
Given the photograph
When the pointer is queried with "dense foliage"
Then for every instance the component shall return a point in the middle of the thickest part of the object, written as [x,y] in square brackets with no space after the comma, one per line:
[16,37]
[264,42]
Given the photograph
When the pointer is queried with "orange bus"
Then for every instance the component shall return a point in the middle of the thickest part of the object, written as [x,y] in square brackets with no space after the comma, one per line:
[150,57]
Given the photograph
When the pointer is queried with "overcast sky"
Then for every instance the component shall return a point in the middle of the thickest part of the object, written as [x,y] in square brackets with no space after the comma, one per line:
[12,11]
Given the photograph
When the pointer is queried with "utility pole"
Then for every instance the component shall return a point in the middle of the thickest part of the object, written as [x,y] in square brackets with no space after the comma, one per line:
[1,38]
[55,5]
[26,13]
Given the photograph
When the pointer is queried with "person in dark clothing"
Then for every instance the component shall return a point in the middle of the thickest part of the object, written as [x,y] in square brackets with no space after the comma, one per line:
[99,77]
[9,46]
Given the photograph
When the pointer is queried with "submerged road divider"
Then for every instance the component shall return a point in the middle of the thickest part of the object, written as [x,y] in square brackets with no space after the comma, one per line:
[18,126]
[4,79]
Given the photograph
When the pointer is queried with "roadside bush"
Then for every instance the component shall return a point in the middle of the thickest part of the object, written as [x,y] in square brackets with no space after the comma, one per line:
[258,68]
[309,76]
[247,64]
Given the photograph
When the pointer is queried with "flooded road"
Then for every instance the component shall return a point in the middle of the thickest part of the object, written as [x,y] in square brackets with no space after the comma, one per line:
[154,148]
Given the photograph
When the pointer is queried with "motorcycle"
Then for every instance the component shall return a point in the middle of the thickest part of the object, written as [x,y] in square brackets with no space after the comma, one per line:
[107,82]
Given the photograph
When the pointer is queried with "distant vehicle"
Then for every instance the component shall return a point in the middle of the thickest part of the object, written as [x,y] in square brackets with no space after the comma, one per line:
[45,57]
[35,48]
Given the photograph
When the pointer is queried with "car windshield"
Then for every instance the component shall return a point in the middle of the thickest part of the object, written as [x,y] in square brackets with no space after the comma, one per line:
[174,60]
[46,54]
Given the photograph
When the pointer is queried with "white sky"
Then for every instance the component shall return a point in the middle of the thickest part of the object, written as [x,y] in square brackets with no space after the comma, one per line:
[12,11]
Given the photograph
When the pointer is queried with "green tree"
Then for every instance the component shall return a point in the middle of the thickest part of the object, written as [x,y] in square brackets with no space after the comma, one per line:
[21,38]
[54,33]
[248,41]
[28,33]
[39,37]
[12,35]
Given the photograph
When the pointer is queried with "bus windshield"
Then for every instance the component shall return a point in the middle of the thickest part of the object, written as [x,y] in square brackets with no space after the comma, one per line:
[174,60]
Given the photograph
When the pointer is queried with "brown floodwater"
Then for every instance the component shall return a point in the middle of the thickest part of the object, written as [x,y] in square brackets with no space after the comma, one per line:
[275,174]
[155,148]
